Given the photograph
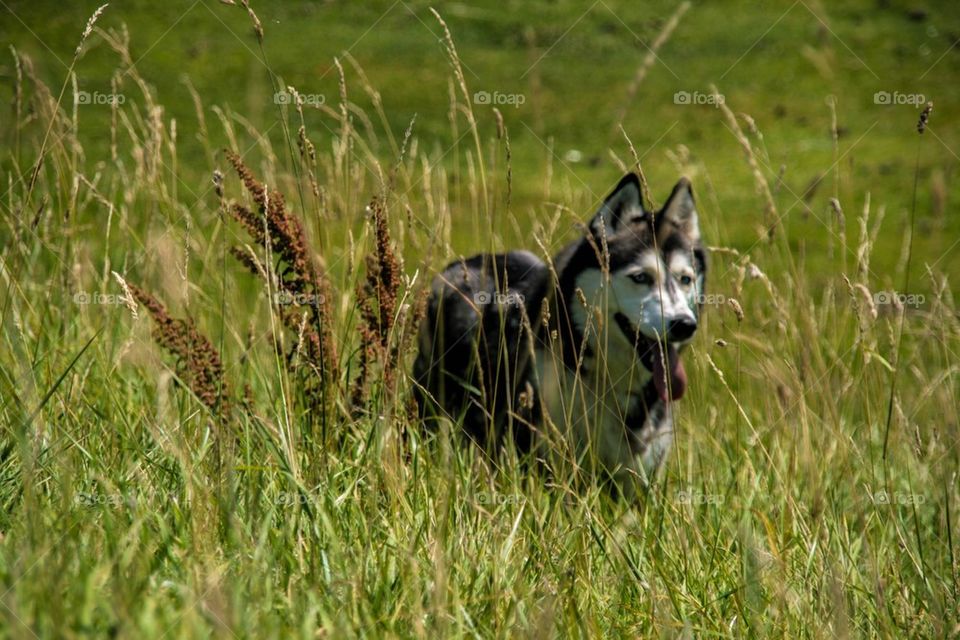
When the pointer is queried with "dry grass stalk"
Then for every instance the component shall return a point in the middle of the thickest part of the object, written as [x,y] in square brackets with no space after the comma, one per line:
[865,246]
[841,221]
[257,26]
[89,28]
[308,154]
[461,82]
[128,299]
[55,112]
[772,219]
[638,169]
[866,311]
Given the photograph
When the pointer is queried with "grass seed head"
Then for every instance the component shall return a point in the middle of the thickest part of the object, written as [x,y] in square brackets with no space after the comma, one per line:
[924,118]
[198,363]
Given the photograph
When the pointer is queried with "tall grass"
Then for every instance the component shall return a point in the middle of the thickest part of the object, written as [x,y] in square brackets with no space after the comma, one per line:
[133,504]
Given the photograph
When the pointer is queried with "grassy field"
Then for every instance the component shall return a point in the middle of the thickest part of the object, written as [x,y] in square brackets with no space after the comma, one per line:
[256,472]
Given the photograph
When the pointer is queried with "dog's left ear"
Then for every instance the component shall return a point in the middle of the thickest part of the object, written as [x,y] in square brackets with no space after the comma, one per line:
[680,212]
[623,206]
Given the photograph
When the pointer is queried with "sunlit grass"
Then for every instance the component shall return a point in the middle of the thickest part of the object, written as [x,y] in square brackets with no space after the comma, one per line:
[131,506]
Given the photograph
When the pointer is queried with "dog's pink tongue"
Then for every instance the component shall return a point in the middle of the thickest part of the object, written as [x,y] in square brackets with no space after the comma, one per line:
[671,388]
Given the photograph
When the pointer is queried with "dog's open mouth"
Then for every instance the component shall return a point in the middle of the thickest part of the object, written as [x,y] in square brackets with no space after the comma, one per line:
[659,359]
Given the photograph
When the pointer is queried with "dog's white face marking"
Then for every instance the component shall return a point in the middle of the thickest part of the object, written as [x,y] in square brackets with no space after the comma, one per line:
[651,293]
[689,282]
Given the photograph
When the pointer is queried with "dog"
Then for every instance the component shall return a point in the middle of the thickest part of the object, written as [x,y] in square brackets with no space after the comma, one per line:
[586,348]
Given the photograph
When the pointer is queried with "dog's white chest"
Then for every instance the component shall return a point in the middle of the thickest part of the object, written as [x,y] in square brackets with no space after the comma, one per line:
[597,419]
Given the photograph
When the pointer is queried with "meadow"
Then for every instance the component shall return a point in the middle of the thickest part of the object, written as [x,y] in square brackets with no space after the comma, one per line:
[218,222]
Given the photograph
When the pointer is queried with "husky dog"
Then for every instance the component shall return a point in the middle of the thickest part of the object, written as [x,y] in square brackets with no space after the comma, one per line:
[586,348]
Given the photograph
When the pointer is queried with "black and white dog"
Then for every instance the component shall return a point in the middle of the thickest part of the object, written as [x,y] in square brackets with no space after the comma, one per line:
[583,352]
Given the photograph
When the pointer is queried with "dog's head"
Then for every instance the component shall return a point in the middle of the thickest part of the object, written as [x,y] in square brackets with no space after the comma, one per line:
[647,278]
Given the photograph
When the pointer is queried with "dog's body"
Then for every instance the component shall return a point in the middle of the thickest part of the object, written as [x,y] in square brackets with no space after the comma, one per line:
[586,348]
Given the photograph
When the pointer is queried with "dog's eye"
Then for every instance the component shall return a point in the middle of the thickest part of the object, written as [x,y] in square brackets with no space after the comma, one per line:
[642,278]
[686,280]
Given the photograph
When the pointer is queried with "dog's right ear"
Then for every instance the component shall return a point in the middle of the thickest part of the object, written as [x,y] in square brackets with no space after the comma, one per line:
[623,206]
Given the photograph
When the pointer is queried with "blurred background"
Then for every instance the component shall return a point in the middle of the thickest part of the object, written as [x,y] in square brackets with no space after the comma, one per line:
[564,77]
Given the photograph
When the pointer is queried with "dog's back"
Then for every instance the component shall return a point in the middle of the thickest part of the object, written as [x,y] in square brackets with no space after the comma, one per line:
[476,346]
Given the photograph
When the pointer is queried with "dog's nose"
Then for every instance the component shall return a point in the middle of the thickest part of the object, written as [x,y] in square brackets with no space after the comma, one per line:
[682,329]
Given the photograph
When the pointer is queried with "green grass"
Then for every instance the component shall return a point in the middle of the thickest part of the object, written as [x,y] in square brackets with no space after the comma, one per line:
[128,509]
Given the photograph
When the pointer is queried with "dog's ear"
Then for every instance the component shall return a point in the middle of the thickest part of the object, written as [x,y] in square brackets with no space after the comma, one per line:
[680,212]
[623,206]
